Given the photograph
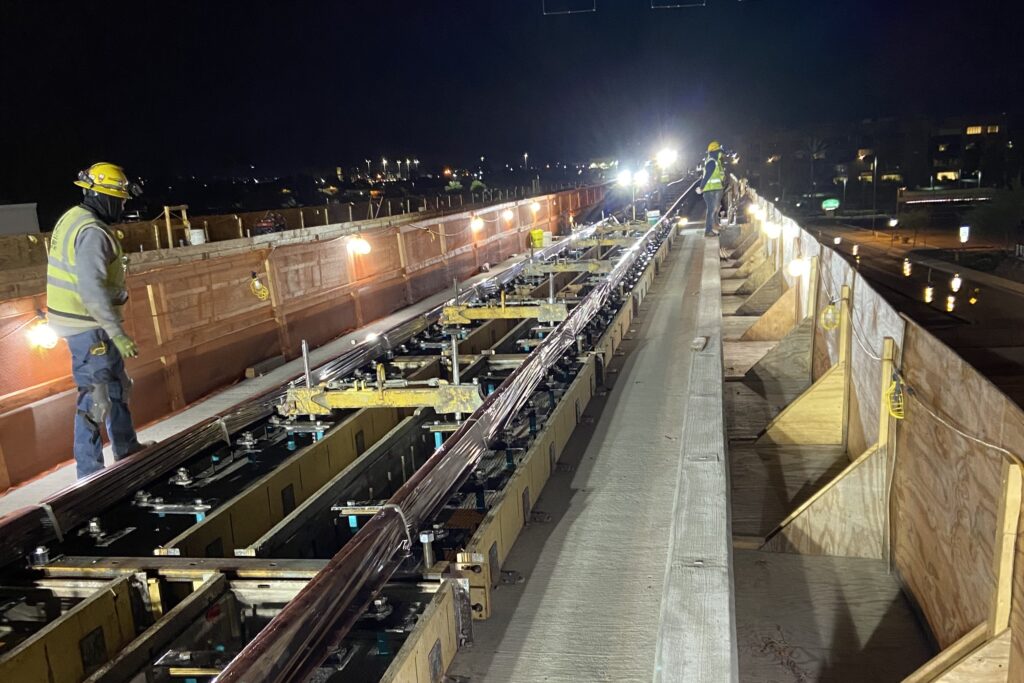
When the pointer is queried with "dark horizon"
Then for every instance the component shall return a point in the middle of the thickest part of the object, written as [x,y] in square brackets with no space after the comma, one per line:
[202,89]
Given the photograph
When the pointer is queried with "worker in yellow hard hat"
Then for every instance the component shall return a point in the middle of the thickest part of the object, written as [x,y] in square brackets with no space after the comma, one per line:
[711,186]
[85,291]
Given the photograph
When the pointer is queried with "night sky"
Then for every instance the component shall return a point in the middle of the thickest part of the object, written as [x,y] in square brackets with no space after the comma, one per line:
[211,87]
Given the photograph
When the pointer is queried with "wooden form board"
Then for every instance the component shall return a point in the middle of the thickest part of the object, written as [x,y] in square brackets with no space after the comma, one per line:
[990,663]
[777,321]
[948,492]
[789,360]
[816,417]
[100,625]
[244,518]
[847,517]
[745,268]
[764,296]
[756,278]
[431,646]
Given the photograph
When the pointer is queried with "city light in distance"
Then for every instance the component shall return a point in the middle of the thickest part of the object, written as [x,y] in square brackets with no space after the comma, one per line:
[965,233]
[956,282]
[950,303]
[908,267]
[929,294]
[837,241]
[893,222]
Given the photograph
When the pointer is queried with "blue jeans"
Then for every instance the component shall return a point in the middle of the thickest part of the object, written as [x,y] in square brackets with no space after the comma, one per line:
[103,388]
[713,200]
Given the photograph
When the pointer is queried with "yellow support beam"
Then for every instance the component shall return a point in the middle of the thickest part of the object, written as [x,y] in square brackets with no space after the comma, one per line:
[606,242]
[543,311]
[442,397]
[588,266]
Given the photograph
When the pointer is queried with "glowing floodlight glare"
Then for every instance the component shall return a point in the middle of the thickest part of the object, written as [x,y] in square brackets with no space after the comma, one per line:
[666,157]
[535,207]
[358,246]
[41,336]
[641,177]
[476,223]
[507,214]
[799,267]
[625,177]
[772,230]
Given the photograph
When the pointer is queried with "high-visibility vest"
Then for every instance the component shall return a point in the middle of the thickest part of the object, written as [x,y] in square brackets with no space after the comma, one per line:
[62,297]
[717,179]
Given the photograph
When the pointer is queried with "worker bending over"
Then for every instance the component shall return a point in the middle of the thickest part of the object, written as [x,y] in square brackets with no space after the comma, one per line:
[711,186]
[85,291]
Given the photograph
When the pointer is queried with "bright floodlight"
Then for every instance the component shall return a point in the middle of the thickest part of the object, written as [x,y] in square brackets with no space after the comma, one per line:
[625,177]
[893,222]
[357,245]
[799,267]
[507,214]
[476,223]
[641,177]
[41,335]
[666,157]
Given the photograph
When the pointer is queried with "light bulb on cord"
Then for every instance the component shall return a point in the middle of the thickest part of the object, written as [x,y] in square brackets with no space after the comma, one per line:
[772,230]
[837,241]
[476,223]
[799,267]
[535,207]
[507,215]
[956,282]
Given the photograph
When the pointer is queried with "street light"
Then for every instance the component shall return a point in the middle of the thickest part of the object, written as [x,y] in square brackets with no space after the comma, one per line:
[385,162]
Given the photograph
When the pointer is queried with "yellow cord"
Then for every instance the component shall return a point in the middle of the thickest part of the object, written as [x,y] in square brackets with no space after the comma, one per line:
[259,289]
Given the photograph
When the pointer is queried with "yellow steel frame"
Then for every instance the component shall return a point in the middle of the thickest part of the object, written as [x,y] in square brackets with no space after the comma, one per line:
[587,266]
[443,398]
[543,311]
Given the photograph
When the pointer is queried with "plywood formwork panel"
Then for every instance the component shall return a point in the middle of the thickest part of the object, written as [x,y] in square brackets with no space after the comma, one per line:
[789,361]
[947,490]
[987,664]
[847,517]
[816,417]
[777,321]
[757,278]
[763,298]
[873,320]
[834,272]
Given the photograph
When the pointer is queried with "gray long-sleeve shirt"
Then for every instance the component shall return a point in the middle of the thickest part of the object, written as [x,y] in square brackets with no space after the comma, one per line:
[93,255]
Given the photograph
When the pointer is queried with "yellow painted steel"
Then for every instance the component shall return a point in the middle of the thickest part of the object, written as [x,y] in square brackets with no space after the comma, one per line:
[443,398]
[587,266]
[431,645]
[55,653]
[605,242]
[543,311]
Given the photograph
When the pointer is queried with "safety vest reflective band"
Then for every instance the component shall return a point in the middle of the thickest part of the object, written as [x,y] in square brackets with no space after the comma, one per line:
[717,179]
[62,297]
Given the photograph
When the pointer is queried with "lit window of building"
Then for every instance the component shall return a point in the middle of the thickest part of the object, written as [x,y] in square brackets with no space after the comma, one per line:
[892,178]
[943,147]
[865,177]
[992,129]
[947,175]
[974,130]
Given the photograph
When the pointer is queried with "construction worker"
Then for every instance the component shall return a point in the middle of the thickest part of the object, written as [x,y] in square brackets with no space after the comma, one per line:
[85,290]
[711,186]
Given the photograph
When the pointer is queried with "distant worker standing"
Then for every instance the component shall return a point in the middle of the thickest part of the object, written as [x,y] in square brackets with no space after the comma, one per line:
[85,291]
[711,185]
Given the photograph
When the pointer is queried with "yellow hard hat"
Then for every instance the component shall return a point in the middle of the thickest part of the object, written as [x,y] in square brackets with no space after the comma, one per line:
[714,146]
[106,178]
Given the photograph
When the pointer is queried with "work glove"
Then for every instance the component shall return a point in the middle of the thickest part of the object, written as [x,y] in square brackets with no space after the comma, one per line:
[700,191]
[126,346]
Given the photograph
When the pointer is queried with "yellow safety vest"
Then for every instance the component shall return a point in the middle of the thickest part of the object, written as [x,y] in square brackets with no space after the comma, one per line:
[717,179]
[62,297]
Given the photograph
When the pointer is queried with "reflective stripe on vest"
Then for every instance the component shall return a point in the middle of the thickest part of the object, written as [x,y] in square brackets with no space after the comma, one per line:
[717,179]
[62,297]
